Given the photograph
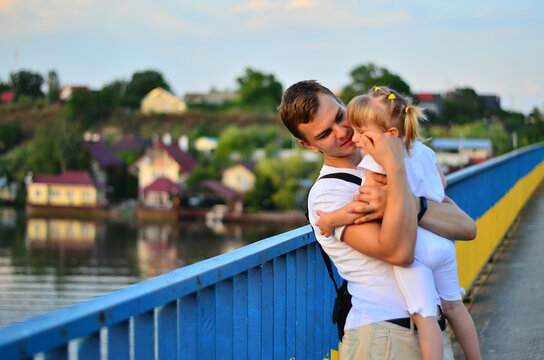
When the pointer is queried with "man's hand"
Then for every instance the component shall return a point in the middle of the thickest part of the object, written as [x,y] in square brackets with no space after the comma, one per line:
[371,200]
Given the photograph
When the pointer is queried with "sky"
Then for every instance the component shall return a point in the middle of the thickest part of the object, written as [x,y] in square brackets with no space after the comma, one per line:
[494,47]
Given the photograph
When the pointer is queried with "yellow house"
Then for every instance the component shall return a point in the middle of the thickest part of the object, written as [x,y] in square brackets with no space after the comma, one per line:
[163,161]
[160,101]
[71,189]
[240,177]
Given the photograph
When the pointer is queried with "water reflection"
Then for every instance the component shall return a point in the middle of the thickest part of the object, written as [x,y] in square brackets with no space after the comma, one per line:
[47,263]
[60,233]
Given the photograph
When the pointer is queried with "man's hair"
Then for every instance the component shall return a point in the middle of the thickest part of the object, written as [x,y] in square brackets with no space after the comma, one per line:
[299,104]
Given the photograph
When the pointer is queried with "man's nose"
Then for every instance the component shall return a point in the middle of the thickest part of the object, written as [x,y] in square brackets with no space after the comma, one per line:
[341,130]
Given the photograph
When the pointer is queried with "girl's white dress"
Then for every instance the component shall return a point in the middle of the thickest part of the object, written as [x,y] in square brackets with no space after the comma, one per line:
[435,262]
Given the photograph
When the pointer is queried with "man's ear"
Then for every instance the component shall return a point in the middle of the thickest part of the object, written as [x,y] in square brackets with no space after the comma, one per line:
[394,131]
[308,146]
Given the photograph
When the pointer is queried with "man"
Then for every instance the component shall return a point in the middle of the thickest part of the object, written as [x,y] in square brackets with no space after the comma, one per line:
[364,253]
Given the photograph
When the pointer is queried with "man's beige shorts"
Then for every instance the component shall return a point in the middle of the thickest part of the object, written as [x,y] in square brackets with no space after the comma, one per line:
[385,341]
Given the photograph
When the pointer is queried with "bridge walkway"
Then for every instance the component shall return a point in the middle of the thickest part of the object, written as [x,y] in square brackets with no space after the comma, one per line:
[508,308]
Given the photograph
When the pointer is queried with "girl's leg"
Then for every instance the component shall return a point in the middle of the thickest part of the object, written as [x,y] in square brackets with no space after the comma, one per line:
[430,337]
[463,328]
[416,284]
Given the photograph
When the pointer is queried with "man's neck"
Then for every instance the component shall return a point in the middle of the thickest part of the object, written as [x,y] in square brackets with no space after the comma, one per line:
[346,162]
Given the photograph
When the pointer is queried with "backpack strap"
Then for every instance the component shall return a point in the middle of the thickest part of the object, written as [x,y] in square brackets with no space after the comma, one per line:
[346,177]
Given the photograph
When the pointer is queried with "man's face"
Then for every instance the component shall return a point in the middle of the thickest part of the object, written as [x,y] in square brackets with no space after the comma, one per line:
[329,131]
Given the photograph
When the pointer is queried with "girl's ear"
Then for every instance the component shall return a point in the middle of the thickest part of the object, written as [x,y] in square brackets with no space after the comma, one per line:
[308,146]
[394,131]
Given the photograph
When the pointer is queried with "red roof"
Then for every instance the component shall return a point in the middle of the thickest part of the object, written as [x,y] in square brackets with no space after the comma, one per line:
[7,96]
[163,185]
[68,178]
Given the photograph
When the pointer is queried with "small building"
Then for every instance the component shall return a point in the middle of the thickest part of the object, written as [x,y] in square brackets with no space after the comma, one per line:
[240,177]
[455,153]
[218,193]
[215,98]
[163,161]
[206,144]
[71,189]
[66,92]
[160,101]
[161,193]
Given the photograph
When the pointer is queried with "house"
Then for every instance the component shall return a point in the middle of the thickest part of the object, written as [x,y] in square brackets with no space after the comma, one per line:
[105,164]
[160,101]
[206,144]
[216,98]
[161,193]
[454,153]
[163,161]
[75,189]
[240,177]
[218,193]
[66,92]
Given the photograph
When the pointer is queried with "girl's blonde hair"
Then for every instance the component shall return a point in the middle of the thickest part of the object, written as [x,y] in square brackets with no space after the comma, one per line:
[385,108]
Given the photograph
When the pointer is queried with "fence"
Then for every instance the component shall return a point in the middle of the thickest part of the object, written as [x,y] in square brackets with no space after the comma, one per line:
[270,299]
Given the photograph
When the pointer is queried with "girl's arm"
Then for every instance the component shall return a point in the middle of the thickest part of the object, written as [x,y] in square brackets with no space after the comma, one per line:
[329,220]
[345,215]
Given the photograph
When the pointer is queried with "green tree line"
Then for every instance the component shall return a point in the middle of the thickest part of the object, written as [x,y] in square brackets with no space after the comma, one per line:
[55,147]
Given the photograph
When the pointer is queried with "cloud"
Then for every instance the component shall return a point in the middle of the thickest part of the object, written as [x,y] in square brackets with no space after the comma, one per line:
[6,6]
[262,15]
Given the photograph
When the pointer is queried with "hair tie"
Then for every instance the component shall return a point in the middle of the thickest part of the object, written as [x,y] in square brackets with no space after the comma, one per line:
[376,89]
[391,97]
[406,109]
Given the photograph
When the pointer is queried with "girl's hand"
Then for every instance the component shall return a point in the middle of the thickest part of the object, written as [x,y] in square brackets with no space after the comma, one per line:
[325,226]
[386,148]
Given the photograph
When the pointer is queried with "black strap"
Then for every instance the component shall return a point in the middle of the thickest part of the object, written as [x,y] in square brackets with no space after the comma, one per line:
[343,176]
[346,177]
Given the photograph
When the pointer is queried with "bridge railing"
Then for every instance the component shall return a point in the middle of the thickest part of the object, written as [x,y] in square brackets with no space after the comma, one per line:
[270,299]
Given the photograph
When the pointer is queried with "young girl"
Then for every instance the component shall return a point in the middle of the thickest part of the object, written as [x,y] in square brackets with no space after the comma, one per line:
[435,268]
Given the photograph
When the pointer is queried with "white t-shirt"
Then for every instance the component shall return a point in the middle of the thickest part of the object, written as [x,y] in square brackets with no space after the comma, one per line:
[371,282]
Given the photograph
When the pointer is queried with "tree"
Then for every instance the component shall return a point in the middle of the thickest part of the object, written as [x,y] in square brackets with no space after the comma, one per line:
[141,83]
[364,77]
[90,107]
[10,135]
[4,86]
[259,91]
[28,83]
[462,106]
[53,85]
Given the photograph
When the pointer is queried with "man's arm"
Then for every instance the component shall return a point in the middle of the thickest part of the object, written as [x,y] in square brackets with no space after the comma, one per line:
[394,239]
[448,220]
[445,219]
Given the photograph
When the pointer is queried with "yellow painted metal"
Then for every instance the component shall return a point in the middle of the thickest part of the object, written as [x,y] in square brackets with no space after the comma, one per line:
[492,227]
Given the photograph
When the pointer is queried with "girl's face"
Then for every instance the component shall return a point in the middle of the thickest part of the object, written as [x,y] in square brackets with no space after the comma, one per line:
[358,134]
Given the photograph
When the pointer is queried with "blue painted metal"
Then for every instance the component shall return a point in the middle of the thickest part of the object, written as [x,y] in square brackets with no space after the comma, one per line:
[270,299]
[144,335]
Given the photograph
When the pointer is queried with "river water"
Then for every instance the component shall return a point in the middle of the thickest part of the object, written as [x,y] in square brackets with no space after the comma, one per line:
[48,263]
